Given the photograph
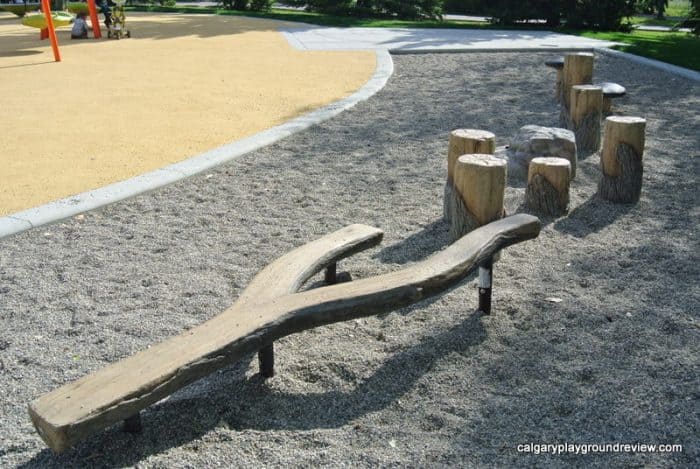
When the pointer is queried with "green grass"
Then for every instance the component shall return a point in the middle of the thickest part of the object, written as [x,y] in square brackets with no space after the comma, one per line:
[681,49]
[677,48]
[678,8]
[652,21]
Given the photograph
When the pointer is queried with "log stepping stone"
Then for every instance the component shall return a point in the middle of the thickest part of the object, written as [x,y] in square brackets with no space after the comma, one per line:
[610,92]
[558,65]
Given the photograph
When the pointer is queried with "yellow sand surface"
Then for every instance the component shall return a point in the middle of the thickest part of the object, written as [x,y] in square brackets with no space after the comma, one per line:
[182,85]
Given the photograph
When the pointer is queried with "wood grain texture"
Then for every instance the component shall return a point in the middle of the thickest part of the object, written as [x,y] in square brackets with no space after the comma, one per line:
[578,70]
[463,141]
[585,114]
[627,187]
[467,141]
[289,272]
[480,180]
[621,129]
[283,276]
[559,87]
[548,185]
[76,410]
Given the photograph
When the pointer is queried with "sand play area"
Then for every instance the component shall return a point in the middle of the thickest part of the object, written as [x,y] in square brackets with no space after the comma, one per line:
[182,85]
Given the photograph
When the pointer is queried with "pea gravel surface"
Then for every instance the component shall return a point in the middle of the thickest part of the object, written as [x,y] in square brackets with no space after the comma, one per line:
[594,337]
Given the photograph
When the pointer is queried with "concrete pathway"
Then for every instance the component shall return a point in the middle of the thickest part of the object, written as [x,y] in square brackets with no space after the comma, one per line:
[434,40]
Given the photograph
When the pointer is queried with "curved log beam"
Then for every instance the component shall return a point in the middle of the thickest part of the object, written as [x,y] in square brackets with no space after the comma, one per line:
[288,273]
[116,392]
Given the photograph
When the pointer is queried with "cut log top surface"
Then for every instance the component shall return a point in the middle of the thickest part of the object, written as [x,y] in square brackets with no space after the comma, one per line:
[550,161]
[480,159]
[626,120]
[557,63]
[580,55]
[473,134]
[118,391]
[612,90]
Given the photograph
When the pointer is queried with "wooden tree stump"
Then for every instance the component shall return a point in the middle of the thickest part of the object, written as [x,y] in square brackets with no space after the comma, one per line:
[479,182]
[585,115]
[548,185]
[558,87]
[621,159]
[578,70]
[558,65]
[462,142]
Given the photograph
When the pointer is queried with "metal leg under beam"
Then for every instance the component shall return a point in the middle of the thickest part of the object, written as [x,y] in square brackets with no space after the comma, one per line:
[485,282]
[266,359]
[331,275]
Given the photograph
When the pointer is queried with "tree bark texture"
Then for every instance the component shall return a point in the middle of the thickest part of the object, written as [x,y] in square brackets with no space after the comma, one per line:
[548,185]
[479,187]
[578,70]
[621,159]
[462,142]
[584,117]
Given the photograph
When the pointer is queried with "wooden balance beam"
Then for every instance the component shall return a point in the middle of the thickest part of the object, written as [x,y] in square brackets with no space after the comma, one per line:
[270,308]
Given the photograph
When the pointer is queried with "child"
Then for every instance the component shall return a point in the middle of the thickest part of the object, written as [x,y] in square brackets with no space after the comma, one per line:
[105,10]
[80,27]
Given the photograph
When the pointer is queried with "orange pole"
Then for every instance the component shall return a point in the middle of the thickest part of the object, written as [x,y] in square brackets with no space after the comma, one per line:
[94,19]
[52,32]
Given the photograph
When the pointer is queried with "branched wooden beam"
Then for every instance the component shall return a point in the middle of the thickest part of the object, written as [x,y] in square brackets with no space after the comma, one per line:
[119,391]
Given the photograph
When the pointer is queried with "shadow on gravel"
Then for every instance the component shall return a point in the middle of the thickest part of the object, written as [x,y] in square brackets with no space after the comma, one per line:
[228,399]
[591,217]
[431,239]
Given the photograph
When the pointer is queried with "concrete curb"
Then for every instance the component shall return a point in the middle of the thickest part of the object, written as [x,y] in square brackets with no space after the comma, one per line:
[68,207]
[487,50]
[674,69]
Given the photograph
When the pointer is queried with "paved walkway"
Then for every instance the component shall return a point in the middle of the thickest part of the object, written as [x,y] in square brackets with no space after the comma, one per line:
[434,40]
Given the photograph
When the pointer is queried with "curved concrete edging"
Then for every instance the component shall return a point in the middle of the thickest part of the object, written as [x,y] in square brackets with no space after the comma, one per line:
[83,202]
[674,69]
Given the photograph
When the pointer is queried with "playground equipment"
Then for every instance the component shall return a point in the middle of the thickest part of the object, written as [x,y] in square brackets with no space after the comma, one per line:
[48,22]
[117,28]
[60,18]
[271,307]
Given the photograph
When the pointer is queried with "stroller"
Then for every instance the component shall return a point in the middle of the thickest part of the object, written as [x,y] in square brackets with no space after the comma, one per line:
[116,21]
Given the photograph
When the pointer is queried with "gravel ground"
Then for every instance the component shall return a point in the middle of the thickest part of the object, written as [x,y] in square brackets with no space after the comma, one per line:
[616,361]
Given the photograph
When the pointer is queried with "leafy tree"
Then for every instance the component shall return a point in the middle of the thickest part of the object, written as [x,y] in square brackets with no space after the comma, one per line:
[464,6]
[693,20]
[598,14]
[404,9]
[511,11]
[653,6]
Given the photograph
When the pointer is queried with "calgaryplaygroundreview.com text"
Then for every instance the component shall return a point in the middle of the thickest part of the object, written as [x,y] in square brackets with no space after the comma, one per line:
[573,448]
